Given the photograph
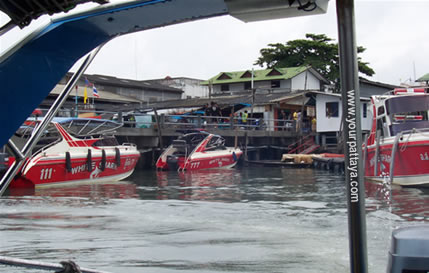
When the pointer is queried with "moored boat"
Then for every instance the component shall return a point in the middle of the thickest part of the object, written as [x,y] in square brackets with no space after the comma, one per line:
[196,151]
[398,144]
[79,151]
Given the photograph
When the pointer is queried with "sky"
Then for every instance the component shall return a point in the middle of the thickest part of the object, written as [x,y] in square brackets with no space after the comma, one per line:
[395,34]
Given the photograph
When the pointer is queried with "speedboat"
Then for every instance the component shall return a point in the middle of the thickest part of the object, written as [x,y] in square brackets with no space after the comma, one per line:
[197,151]
[398,144]
[76,150]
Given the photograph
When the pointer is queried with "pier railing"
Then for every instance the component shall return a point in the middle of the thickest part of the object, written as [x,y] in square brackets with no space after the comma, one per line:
[215,122]
[184,121]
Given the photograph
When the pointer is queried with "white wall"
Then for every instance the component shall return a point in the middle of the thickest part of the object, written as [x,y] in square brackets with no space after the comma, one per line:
[303,81]
[233,87]
[237,87]
[191,87]
[299,82]
[333,124]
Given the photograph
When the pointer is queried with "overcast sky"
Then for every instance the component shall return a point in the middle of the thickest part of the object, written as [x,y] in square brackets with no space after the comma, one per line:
[395,34]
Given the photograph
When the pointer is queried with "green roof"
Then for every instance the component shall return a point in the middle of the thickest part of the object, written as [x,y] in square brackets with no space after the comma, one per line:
[423,78]
[259,75]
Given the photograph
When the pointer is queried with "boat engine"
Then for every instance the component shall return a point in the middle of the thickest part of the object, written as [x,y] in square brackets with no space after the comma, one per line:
[178,155]
[172,162]
[409,250]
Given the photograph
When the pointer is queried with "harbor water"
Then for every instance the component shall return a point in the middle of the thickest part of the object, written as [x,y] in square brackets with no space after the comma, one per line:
[249,219]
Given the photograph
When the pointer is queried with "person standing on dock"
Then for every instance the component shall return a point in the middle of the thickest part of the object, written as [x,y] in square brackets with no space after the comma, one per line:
[313,124]
[295,120]
[282,123]
[298,121]
[244,118]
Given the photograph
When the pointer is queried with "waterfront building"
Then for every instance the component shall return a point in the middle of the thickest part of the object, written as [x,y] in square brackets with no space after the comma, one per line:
[192,88]
[144,91]
[285,79]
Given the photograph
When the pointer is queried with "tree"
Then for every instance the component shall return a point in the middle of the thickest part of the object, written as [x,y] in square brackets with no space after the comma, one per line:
[317,51]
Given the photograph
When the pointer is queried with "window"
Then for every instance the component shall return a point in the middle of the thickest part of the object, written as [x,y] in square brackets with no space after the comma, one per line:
[275,84]
[332,109]
[247,85]
[224,87]
[365,109]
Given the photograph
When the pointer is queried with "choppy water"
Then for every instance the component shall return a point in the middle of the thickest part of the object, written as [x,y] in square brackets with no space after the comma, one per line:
[240,220]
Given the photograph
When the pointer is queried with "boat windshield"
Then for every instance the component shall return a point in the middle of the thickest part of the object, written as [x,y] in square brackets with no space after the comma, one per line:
[194,138]
[401,104]
[216,143]
[408,113]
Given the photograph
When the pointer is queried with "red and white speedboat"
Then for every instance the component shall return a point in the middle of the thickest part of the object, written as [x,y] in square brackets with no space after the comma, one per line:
[197,151]
[77,151]
[398,145]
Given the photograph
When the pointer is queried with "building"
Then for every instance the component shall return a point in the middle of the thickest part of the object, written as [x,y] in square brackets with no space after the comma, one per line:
[370,88]
[144,91]
[192,88]
[289,79]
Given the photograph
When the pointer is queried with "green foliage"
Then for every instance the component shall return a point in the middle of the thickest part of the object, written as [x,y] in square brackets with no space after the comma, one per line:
[317,51]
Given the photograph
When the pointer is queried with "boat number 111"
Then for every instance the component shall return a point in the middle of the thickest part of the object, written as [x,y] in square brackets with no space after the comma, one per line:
[45,174]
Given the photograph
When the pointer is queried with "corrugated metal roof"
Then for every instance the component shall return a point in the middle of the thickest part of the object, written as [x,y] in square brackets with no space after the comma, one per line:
[103,95]
[222,101]
[379,84]
[258,75]
[138,84]
[423,78]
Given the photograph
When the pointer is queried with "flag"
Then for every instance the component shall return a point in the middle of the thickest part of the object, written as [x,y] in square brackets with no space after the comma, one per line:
[95,92]
[85,95]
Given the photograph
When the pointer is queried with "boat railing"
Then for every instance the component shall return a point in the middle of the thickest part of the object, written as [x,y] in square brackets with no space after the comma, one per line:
[301,144]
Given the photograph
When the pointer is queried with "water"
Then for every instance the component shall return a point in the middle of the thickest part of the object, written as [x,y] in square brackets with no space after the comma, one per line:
[240,220]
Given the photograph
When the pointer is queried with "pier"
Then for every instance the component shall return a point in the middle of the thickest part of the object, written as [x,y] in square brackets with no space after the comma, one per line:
[257,142]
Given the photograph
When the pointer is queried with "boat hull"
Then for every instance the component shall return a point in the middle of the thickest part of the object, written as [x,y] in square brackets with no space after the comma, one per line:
[411,163]
[202,161]
[53,171]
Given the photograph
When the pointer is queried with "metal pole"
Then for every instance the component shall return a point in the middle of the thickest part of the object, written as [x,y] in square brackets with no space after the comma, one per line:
[158,124]
[76,103]
[37,133]
[352,136]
